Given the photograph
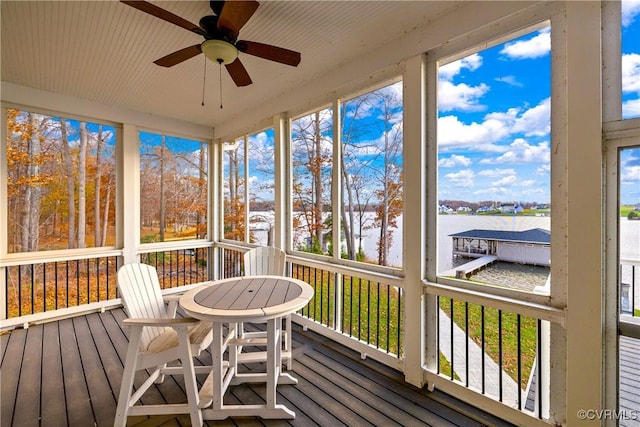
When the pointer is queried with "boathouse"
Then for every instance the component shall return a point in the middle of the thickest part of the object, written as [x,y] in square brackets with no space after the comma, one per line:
[527,247]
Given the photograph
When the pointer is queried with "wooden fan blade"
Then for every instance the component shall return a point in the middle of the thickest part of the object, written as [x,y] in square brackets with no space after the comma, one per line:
[266,51]
[178,56]
[165,15]
[238,73]
[234,15]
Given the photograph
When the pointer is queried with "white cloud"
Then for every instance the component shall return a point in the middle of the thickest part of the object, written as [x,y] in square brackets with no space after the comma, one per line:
[448,71]
[464,178]
[461,96]
[496,126]
[508,180]
[630,174]
[453,161]
[259,141]
[497,172]
[631,108]
[535,47]
[496,192]
[454,133]
[544,169]
[510,80]
[631,72]
[535,121]
[520,151]
[630,9]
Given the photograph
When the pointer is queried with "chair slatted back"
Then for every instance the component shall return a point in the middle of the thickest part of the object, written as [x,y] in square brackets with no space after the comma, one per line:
[265,260]
[139,289]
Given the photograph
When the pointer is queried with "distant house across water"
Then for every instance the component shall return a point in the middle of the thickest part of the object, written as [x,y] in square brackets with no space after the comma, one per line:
[526,247]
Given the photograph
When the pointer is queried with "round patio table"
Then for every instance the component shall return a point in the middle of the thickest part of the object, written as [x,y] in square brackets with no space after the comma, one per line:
[255,299]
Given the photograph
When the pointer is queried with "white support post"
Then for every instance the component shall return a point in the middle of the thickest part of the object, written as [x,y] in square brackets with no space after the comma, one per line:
[247,200]
[336,212]
[281,208]
[129,185]
[215,209]
[336,180]
[4,202]
[414,129]
[612,111]
[431,303]
[582,88]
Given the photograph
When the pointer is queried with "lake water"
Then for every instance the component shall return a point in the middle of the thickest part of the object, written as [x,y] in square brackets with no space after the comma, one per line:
[450,224]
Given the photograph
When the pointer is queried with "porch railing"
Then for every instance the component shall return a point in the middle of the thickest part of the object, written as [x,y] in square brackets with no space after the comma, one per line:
[491,348]
[179,267]
[54,284]
[65,284]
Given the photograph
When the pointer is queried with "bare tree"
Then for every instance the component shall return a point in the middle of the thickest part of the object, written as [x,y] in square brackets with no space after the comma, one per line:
[82,185]
[355,170]
[311,162]
[32,191]
[68,166]
[389,175]
[97,228]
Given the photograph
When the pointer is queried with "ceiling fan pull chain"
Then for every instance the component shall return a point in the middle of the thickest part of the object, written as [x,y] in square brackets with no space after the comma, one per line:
[204,80]
[220,73]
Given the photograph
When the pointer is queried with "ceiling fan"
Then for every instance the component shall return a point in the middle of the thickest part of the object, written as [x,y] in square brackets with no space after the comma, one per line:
[220,32]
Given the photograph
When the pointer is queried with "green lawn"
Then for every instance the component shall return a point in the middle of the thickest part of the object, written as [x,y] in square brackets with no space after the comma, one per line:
[493,346]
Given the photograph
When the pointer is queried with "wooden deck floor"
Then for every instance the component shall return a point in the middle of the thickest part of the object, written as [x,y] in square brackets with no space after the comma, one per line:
[67,373]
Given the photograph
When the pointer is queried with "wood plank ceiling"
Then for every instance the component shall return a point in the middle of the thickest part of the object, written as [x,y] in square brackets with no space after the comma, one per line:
[103,51]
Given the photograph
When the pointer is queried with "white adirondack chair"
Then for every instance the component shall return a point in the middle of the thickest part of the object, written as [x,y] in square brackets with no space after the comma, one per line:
[156,338]
[272,261]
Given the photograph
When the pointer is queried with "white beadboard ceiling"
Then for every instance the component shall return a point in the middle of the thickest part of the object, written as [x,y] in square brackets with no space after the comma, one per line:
[103,51]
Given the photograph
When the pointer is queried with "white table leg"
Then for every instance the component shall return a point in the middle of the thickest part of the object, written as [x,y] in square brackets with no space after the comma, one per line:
[217,362]
[272,361]
[271,410]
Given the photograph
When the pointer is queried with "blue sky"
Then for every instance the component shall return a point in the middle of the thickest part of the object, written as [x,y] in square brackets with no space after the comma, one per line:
[494,117]
[494,120]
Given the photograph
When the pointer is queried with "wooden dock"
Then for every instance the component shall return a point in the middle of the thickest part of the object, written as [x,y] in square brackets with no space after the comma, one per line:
[464,271]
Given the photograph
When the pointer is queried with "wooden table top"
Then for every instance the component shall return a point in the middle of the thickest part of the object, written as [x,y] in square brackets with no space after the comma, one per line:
[246,299]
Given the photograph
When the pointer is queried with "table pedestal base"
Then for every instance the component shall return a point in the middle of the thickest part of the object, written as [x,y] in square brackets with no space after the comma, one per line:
[225,373]
[277,412]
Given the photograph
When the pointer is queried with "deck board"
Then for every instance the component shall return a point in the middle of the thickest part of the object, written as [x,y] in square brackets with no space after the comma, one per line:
[54,413]
[68,373]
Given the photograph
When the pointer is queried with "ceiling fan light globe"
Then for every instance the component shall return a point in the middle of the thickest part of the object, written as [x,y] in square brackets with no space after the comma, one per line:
[219,51]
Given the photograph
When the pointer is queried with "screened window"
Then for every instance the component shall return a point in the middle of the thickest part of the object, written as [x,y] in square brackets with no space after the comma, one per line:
[61,183]
[494,165]
[234,190]
[173,188]
[372,187]
[249,180]
[629,230]
[261,155]
[311,163]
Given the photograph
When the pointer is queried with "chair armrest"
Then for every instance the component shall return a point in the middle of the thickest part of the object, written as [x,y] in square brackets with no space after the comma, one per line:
[161,322]
[172,301]
[171,297]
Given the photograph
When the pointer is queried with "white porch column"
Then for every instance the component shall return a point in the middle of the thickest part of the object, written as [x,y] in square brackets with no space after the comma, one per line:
[129,188]
[583,218]
[414,146]
[282,203]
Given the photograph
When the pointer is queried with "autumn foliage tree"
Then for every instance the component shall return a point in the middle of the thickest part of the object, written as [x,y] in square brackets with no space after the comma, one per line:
[53,182]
